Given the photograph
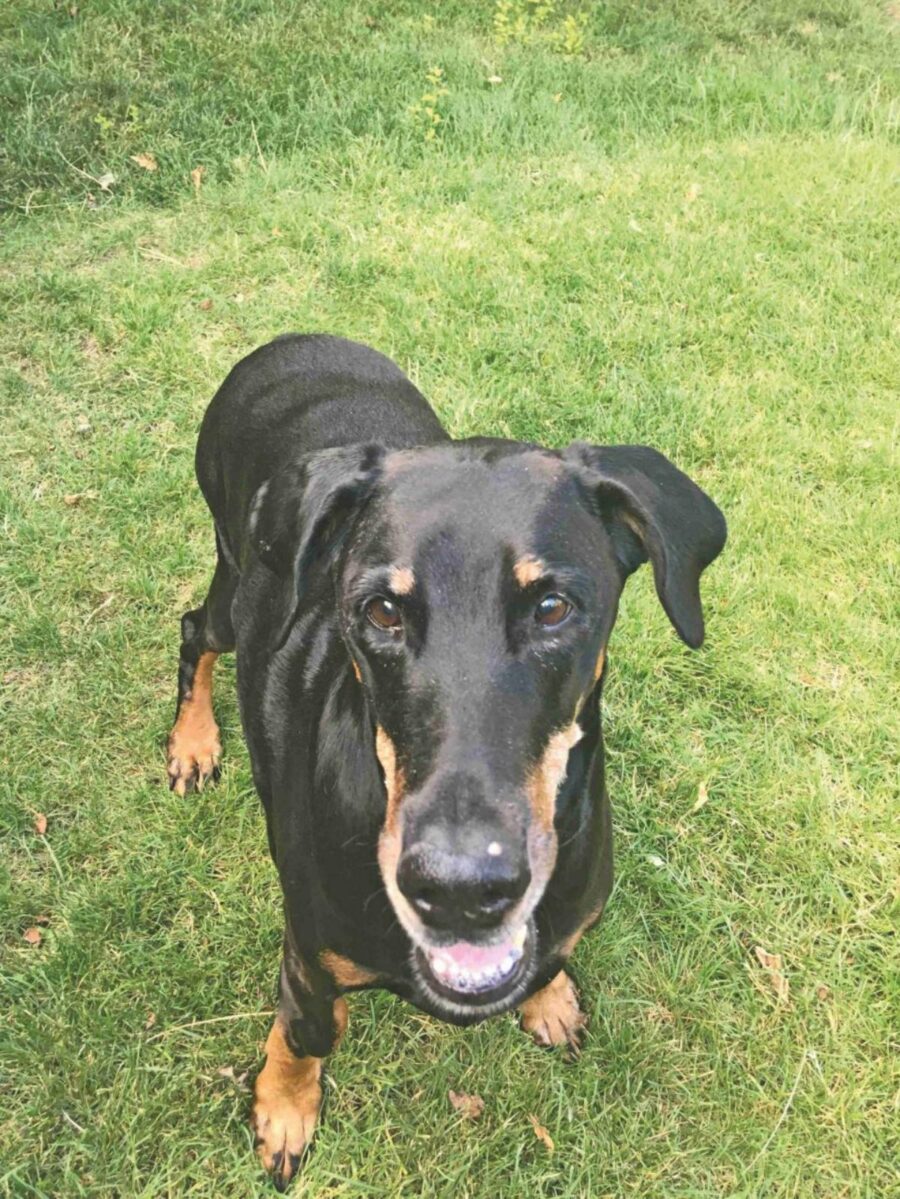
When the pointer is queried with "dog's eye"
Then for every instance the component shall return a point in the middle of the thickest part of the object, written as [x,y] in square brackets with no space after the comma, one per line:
[552,611]
[384,614]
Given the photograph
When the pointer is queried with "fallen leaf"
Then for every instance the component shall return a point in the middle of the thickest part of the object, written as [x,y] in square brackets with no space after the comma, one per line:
[659,1014]
[74,498]
[239,1080]
[276,232]
[772,962]
[147,161]
[823,993]
[470,1106]
[40,824]
[106,181]
[151,1020]
[32,936]
[542,1134]
[205,305]
[702,798]
[197,178]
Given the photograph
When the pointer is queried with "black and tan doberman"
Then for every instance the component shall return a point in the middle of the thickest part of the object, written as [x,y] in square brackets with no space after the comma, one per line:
[421,628]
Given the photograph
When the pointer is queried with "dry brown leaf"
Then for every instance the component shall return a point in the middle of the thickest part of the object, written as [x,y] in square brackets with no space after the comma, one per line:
[772,962]
[823,993]
[32,936]
[151,1020]
[702,798]
[197,178]
[205,305]
[542,1134]
[470,1106]
[659,1014]
[147,161]
[40,824]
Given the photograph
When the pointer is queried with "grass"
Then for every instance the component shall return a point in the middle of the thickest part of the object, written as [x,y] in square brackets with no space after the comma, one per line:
[683,234]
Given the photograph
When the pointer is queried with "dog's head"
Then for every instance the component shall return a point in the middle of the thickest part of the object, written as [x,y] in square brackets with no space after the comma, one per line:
[477,585]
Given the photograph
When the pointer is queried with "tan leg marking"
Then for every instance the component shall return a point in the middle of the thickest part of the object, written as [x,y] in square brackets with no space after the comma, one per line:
[193,748]
[345,972]
[553,1017]
[287,1102]
[572,940]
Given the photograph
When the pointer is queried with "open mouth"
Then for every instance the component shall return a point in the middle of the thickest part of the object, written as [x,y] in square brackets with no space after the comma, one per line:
[476,974]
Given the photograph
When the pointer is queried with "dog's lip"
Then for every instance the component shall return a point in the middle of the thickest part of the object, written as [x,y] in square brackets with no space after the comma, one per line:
[474,974]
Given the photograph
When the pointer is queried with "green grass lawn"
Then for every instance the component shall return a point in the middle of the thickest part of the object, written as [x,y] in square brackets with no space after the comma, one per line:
[675,223]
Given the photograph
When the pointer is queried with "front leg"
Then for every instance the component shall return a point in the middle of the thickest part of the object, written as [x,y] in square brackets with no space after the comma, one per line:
[310,1022]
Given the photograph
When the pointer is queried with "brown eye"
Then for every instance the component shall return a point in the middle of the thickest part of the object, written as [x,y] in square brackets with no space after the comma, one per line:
[552,611]
[384,614]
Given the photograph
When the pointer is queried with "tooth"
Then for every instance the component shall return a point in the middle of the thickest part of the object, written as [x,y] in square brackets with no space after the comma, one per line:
[507,964]
[519,939]
[440,965]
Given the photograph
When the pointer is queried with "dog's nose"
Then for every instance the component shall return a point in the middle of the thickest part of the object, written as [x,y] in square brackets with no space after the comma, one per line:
[459,891]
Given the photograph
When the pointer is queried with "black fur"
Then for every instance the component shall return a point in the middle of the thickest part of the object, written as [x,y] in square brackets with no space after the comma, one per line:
[322,466]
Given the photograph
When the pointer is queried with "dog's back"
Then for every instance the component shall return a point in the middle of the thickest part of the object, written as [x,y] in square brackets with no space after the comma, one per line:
[299,394]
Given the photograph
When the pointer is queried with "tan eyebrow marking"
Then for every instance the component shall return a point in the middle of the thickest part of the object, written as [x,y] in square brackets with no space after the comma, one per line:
[402,580]
[528,570]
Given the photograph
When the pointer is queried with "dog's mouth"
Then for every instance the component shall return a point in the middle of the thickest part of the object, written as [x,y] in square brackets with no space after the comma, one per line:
[477,975]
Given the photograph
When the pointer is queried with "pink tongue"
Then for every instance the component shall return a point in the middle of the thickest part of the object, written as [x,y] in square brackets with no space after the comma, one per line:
[476,957]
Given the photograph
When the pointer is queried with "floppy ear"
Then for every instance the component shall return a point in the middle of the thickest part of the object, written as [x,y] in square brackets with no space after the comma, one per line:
[653,510]
[300,517]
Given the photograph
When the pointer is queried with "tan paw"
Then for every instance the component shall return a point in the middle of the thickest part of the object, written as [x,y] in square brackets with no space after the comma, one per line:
[553,1017]
[284,1123]
[193,752]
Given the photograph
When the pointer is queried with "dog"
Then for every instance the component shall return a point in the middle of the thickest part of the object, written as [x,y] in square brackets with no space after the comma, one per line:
[421,628]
